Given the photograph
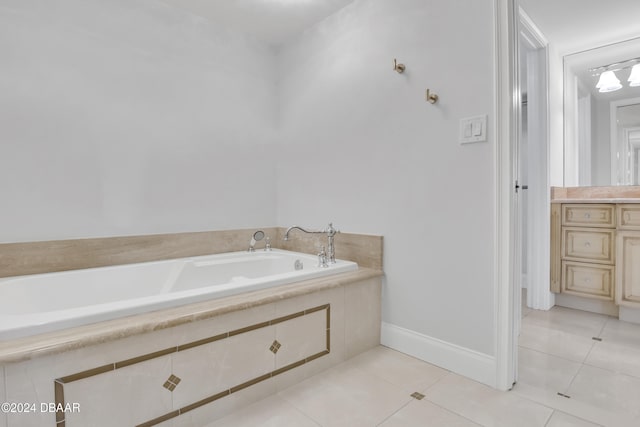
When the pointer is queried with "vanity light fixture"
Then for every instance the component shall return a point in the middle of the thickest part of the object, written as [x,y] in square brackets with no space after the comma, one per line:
[634,78]
[608,82]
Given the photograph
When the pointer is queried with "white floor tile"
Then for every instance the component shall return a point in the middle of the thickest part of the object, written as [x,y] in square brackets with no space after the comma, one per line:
[421,413]
[404,371]
[623,333]
[560,419]
[555,342]
[545,371]
[270,412]
[575,322]
[607,390]
[576,407]
[614,357]
[485,405]
[346,396]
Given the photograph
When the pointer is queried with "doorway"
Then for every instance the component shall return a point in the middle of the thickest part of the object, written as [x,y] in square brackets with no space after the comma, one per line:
[532,158]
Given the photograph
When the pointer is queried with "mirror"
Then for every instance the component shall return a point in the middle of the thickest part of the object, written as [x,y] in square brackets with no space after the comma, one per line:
[602,125]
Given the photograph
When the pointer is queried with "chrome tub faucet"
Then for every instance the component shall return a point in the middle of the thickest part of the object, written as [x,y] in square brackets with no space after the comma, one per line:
[329,231]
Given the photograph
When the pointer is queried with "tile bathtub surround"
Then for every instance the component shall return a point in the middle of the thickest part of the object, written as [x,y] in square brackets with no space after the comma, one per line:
[60,255]
[103,332]
[364,249]
[31,380]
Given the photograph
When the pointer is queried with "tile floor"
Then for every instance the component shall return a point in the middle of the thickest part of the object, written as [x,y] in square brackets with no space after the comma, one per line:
[599,382]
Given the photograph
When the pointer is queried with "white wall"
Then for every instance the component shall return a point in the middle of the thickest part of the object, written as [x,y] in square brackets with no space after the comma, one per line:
[130,117]
[601,157]
[363,149]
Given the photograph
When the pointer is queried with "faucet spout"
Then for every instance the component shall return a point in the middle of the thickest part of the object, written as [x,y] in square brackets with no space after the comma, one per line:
[294,227]
[330,233]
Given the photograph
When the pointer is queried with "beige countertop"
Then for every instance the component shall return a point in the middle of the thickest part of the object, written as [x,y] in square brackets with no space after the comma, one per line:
[69,339]
[602,200]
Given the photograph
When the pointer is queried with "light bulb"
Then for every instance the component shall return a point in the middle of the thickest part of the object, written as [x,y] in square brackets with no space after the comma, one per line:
[608,82]
[634,78]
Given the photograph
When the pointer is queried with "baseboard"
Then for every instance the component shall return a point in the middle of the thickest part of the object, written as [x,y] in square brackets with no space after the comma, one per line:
[587,304]
[631,315]
[469,363]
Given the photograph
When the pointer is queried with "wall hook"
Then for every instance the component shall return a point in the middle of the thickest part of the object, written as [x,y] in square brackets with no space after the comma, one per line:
[431,97]
[398,67]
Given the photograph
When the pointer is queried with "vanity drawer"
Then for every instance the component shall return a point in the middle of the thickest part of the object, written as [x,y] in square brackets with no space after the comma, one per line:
[588,215]
[588,245]
[629,217]
[588,280]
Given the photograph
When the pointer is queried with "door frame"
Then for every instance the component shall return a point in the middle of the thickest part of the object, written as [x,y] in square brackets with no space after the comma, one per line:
[506,126]
[507,110]
[539,245]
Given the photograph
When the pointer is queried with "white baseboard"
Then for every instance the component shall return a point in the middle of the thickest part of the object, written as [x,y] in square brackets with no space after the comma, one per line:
[469,363]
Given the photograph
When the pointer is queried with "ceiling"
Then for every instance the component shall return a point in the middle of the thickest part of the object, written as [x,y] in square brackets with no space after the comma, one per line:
[588,34]
[576,25]
[273,21]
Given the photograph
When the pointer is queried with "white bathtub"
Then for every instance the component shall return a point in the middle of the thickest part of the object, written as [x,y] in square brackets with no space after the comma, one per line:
[34,304]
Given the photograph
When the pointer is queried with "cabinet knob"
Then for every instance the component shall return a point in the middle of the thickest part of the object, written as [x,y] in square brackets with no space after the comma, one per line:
[587,245]
[587,215]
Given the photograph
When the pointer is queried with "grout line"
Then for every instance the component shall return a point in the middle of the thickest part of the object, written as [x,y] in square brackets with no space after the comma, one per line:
[549,419]
[574,378]
[550,354]
[589,352]
[304,414]
[604,325]
[393,413]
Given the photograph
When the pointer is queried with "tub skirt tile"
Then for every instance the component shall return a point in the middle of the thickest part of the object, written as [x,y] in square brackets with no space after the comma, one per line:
[208,413]
[222,365]
[363,316]
[194,331]
[124,397]
[302,337]
[30,382]
[3,398]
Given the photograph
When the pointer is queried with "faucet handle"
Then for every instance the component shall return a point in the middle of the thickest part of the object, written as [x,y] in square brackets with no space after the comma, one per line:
[322,258]
[331,231]
[267,243]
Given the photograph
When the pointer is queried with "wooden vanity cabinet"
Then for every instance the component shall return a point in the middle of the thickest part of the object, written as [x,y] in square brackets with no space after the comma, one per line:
[628,249]
[595,251]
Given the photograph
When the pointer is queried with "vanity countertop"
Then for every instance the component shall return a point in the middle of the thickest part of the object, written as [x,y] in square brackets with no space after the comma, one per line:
[603,200]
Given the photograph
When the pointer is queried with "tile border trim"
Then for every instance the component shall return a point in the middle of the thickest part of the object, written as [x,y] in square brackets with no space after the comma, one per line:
[60,382]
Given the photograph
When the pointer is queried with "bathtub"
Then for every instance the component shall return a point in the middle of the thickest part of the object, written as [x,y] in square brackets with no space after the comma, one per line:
[39,303]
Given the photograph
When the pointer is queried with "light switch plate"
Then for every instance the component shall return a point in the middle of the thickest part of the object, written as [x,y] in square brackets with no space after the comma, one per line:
[473,129]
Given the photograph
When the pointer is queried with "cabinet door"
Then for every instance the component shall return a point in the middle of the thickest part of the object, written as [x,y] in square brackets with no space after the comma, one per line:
[587,280]
[588,215]
[587,245]
[628,269]
[629,216]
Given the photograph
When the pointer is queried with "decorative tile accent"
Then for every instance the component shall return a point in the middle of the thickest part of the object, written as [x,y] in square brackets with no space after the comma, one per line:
[275,346]
[171,383]
[417,396]
[173,380]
